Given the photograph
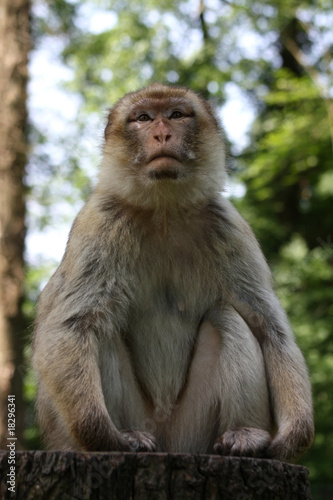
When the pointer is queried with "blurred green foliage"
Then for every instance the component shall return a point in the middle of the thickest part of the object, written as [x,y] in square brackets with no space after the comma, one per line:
[279,55]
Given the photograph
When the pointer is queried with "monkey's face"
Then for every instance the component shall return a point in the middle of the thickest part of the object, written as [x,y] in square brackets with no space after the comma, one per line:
[163,135]
[163,145]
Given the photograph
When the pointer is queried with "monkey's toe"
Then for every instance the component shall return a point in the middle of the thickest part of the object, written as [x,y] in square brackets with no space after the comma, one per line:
[140,440]
[245,441]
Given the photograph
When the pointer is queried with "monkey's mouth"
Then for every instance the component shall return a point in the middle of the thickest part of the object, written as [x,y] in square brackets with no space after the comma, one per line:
[163,166]
[163,174]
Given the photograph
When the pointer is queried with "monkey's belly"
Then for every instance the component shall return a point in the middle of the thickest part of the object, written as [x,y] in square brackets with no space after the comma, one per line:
[161,355]
[188,387]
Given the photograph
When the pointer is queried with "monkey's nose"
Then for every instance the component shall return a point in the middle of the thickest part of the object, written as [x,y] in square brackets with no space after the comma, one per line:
[162,133]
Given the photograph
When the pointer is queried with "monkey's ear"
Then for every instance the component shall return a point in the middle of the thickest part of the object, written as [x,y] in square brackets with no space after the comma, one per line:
[108,123]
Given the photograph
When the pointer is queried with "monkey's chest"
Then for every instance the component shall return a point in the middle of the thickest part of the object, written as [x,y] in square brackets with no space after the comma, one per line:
[174,289]
[161,335]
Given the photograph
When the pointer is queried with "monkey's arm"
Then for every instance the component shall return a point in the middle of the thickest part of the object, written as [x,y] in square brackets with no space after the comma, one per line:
[77,310]
[288,381]
[70,404]
[287,375]
[66,363]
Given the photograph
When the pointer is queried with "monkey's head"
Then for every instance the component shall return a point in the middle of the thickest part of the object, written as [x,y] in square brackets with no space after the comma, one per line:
[163,146]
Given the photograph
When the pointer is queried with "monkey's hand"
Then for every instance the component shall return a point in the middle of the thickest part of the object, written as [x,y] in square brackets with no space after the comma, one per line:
[139,440]
[243,442]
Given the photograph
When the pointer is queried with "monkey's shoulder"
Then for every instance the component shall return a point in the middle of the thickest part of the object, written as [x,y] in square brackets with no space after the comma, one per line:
[97,220]
[237,243]
[85,256]
[99,234]
[228,222]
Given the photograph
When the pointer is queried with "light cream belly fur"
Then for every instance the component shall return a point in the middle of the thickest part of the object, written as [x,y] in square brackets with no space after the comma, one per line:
[187,405]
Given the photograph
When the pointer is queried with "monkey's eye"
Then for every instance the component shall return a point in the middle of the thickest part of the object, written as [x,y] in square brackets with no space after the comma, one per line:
[143,118]
[177,114]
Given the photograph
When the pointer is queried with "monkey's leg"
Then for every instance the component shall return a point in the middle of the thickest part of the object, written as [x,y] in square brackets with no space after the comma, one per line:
[226,391]
[124,399]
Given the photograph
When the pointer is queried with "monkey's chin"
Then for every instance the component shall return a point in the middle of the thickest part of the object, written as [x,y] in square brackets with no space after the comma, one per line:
[164,167]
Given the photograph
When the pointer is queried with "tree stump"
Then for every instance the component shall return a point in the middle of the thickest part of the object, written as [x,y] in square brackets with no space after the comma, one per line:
[57,475]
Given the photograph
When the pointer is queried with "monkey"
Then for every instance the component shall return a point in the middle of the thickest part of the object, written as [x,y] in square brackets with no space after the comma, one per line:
[161,330]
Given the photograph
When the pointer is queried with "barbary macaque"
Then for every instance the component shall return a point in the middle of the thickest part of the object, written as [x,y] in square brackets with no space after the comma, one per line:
[160,330]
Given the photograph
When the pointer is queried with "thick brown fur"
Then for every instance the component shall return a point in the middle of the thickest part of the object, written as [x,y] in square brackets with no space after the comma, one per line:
[160,330]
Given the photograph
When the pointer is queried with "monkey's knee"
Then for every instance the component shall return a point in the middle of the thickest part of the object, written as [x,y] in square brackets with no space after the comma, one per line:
[243,442]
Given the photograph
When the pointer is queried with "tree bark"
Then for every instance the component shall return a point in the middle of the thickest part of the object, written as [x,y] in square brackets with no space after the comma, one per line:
[14,48]
[150,476]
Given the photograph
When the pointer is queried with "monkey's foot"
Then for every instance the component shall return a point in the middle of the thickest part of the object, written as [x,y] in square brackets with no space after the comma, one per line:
[139,440]
[243,442]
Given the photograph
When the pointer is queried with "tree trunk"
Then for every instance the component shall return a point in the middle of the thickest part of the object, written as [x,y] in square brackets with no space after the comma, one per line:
[149,476]
[14,47]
